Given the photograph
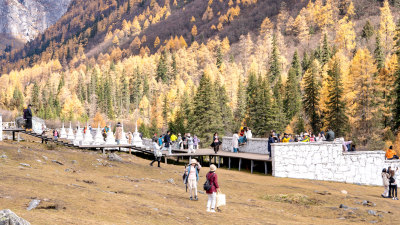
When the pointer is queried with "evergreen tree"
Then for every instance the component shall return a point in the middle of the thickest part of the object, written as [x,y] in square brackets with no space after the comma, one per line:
[225,110]
[219,57]
[206,116]
[336,117]
[162,68]
[379,56]
[292,101]
[305,64]
[108,98]
[18,99]
[240,111]
[326,52]
[274,69]
[278,109]
[35,95]
[264,120]
[311,95]
[367,31]
[251,94]
[296,65]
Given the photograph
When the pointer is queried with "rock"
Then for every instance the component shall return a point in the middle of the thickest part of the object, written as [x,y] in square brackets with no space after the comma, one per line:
[33,204]
[45,157]
[25,164]
[74,162]
[114,157]
[55,161]
[39,161]
[372,212]
[343,206]
[368,203]
[373,221]
[7,217]
[171,181]
[3,157]
[201,192]
[344,192]
[341,218]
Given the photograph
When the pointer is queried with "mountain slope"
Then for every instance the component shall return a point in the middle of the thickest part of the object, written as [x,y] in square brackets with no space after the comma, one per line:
[23,20]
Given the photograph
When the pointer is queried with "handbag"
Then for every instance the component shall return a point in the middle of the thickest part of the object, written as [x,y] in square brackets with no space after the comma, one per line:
[221,200]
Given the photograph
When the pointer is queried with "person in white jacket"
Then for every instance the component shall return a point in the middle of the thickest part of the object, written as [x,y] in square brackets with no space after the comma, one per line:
[248,133]
[235,143]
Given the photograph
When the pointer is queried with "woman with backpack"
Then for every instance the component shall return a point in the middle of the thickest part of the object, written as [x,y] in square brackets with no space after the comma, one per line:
[393,184]
[192,176]
[213,187]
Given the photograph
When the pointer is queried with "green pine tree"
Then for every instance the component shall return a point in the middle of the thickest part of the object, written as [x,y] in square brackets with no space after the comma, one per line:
[311,96]
[274,69]
[264,120]
[35,95]
[251,94]
[240,111]
[379,55]
[396,116]
[206,116]
[296,65]
[225,109]
[335,116]
[219,57]
[326,51]
[162,68]
[367,31]
[292,101]
[305,64]
[278,109]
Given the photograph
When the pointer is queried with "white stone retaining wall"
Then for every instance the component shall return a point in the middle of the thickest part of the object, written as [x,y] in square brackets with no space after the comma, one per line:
[327,161]
[253,145]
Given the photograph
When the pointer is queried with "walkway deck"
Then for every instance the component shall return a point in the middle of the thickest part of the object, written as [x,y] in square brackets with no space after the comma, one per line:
[200,153]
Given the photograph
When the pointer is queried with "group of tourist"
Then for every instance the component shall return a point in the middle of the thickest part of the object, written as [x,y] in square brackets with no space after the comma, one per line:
[166,141]
[389,178]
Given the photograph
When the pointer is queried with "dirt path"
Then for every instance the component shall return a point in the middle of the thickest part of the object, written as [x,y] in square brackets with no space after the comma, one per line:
[89,189]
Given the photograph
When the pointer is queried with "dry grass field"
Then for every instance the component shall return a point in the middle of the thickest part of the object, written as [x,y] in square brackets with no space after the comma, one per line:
[89,189]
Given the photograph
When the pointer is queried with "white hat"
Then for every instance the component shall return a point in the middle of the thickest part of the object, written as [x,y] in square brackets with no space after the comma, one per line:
[213,168]
[193,161]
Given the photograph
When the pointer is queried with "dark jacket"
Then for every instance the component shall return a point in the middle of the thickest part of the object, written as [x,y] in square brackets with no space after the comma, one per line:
[330,136]
[28,113]
[167,140]
[213,144]
[213,179]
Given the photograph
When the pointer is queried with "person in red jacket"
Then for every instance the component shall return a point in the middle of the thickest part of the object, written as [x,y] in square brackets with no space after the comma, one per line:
[212,193]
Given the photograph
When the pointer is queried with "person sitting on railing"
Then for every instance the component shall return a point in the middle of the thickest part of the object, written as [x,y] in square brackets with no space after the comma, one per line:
[391,154]
[330,135]
[286,138]
[306,138]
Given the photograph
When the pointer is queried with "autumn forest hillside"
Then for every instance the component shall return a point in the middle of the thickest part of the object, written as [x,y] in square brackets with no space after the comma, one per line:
[204,66]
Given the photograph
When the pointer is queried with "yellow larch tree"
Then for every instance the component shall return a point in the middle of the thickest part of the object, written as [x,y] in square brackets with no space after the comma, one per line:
[194,31]
[156,42]
[345,34]
[386,27]
[266,26]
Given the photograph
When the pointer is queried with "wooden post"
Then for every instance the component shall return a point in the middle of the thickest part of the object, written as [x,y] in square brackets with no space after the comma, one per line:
[104,151]
[190,159]
[13,134]
[130,150]
[209,161]
[219,161]
[166,159]
[240,163]
[252,165]
[215,160]
[266,169]
[229,163]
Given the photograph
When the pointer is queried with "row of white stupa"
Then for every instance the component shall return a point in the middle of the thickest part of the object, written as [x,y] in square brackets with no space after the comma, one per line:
[80,139]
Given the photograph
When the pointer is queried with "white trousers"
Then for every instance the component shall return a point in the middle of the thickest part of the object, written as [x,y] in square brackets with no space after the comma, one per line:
[212,200]
[386,192]
[192,183]
[191,149]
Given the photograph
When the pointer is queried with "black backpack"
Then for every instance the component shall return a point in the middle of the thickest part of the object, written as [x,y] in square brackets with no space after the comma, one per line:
[207,185]
[391,180]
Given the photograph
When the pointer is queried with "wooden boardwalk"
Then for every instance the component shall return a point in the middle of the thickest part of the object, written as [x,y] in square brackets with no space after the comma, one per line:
[176,154]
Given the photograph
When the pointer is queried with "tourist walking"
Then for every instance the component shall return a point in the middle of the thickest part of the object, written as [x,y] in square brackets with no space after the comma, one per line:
[196,142]
[216,143]
[235,143]
[118,133]
[192,177]
[212,179]
[385,181]
[167,142]
[157,151]
[189,140]
[28,117]
[179,140]
[393,184]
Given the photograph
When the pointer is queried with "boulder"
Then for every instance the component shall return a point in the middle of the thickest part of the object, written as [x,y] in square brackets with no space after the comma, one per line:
[114,157]
[33,204]
[7,217]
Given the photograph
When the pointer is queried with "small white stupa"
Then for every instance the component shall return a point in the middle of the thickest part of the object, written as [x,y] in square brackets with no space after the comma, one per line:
[71,135]
[88,138]
[110,140]
[137,141]
[124,140]
[79,136]
[63,132]
[98,138]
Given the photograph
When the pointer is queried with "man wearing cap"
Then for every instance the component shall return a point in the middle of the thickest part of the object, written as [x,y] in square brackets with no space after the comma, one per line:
[192,172]
[286,138]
